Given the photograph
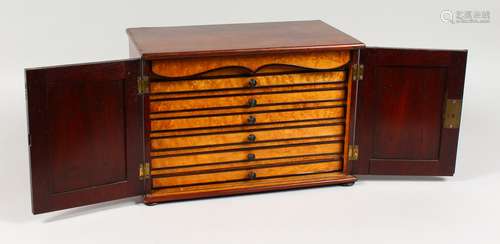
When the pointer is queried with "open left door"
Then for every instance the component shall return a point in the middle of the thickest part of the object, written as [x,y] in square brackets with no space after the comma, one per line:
[408,116]
[84,134]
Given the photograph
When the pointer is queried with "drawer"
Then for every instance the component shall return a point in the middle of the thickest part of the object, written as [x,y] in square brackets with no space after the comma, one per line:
[244,128]
[254,83]
[238,92]
[245,165]
[240,146]
[246,137]
[242,119]
[246,154]
[248,174]
[187,67]
[242,110]
[246,100]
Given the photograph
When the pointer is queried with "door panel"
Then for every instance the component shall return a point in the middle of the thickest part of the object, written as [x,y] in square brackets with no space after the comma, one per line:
[401,103]
[84,128]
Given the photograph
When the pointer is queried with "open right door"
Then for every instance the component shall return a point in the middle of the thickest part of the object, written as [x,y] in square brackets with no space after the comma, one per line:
[408,111]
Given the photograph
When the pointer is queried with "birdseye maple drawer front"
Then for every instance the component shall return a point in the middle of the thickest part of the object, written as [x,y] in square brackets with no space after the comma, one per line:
[262,63]
[253,84]
[246,154]
[247,174]
[246,137]
[246,100]
[249,119]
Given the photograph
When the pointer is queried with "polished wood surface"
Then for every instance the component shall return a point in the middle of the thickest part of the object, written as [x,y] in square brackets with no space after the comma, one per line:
[85,136]
[244,187]
[246,127]
[263,81]
[236,175]
[247,91]
[243,137]
[245,165]
[242,155]
[89,129]
[240,119]
[238,39]
[253,63]
[246,109]
[401,102]
[246,146]
[245,100]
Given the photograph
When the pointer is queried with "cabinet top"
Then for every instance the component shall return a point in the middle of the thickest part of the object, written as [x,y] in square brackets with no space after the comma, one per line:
[234,39]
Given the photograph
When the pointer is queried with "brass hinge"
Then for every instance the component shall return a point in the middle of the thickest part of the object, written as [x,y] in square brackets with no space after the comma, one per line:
[452,113]
[144,171]
[357,71]
[353,152]
[143,84]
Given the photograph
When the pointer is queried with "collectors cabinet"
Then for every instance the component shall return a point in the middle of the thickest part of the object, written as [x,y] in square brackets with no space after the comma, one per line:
[215,110]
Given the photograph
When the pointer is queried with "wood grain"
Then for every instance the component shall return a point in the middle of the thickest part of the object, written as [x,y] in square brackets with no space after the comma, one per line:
[242,165]
[212,148]
[400,111]
[240,110]
[247,91]
[240,119]
[85,134]
[237,39]
[242,137]
[191,66]
[201,85]
[244,174]
[247,128]
[242,101]
[239,187]
[229,156]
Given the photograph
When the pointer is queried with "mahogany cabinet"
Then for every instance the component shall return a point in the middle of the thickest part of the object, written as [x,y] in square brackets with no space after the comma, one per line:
[215,110]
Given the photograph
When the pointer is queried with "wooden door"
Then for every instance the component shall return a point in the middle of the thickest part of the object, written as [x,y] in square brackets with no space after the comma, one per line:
[85,134]
[408,114]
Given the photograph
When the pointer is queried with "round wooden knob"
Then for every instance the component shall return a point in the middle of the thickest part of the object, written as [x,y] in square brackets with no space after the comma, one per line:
[251,138]
[251,120]
[252,83]
[252,175]
[251,156]
[252,102]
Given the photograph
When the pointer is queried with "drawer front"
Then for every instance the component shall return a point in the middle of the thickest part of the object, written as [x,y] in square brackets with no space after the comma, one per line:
[246,137]
[244,128]
[242,119]
[197,169]
[262,63]
[248,174]
[246,155]
[246,100]
[249,83]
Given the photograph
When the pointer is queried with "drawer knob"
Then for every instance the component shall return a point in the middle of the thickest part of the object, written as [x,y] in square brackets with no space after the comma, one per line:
[251,138]
[252,175]
[251,120]
[252,83]
[252,102]
[251,156]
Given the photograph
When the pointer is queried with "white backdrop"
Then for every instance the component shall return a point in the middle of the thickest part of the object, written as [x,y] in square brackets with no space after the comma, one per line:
[461,209]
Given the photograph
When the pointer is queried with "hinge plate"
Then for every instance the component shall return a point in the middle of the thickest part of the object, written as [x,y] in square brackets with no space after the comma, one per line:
[357,71]
[144,171]
[452,113]
[353,152]
[143,84]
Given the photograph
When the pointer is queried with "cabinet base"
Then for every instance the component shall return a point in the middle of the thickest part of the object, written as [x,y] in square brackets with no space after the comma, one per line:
[255,186]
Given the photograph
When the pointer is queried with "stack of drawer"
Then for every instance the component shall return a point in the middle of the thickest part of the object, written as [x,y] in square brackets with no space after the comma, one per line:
[216,131]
